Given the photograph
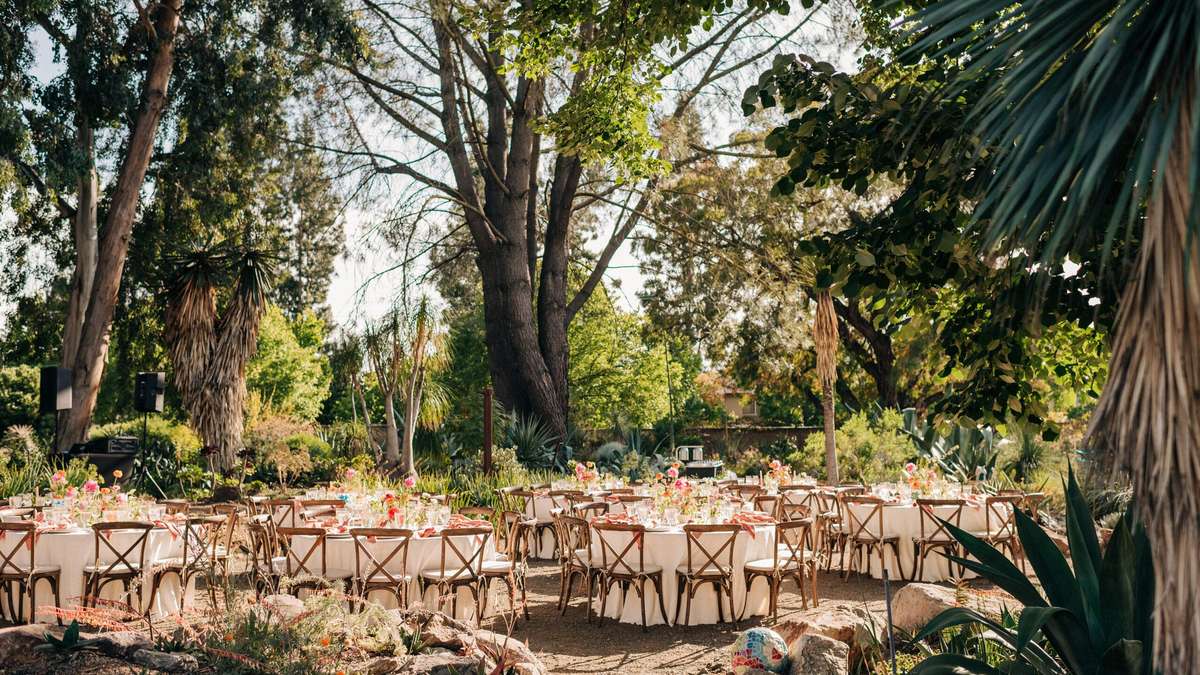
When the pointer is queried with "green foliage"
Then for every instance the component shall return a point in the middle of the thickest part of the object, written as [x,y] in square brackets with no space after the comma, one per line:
[1028,457]
[289,372]
[870,448]
[68,644]
[533,441]
[965,454]
[18,395]
[1093,614]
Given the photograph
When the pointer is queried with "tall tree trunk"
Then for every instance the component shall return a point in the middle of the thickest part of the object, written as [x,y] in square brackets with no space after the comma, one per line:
[408,462]
[519,372]
[1148,418]
[392,442]
[85,238]
[114,244]
[831,463]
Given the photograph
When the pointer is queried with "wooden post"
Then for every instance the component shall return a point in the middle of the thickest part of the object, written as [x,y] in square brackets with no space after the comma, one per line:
[487,429]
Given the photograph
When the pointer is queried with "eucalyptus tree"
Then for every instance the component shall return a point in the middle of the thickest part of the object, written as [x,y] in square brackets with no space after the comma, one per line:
[514,120]
[83,137]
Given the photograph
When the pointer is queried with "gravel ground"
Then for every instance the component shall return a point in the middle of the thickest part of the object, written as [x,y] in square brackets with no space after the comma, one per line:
[569,644]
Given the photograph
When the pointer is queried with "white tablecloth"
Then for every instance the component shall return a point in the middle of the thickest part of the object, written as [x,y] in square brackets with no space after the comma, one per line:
[904,521]
[72,550]
[668,550]
[424,553]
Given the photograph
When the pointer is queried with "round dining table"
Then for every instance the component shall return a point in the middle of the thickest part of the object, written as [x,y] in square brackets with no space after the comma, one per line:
[72,549]
[902,519]
[424,553]
[667,548]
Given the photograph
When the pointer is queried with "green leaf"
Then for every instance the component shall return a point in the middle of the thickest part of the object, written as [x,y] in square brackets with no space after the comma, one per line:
[1123,657]
[1117,577]
[953,664]
[1031,621]
[996,567]
[1085,556]
[864,258]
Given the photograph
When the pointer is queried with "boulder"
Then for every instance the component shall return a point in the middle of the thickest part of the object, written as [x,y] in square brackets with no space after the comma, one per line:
[120,644]
[510,652]
[436,629]
[915,604]
[283,606]
[839,623]
[165,661]
[816,654]
[21,639]
[386,664]
[444,664]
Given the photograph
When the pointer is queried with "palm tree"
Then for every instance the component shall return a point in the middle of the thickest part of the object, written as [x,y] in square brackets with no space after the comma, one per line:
[208,352]
[406,353]
[1093,102]
[825,340]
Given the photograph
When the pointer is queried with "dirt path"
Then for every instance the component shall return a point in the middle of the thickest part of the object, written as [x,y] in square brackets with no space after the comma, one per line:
[569,644]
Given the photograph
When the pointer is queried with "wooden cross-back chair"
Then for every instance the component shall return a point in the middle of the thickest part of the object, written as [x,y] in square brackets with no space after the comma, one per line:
[507,501]
[301,559]
[744,491]
[126,564]
[617,567]
[710,564]
[791,559]
[460,566]
[1000,524]
[202,536]
[284,512]
[575,560]
[529,508]
[14,538]
[934,536]
[864,534]
[267,565]
[590,510]
[768,504]
[371,571]
[511,569]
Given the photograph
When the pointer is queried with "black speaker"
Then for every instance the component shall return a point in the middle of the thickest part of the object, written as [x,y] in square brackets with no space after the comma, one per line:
[148,392]
[55,391]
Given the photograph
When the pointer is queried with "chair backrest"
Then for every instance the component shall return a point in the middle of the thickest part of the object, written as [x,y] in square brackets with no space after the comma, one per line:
[590,509]
[508,499]
[299,559]
[621,491]
[796,504]
[368,566]
[19,515]
[863,517]
[710,548]
[505,524]
[632,499]
[528,499]
[133,555]
[462,552]
[574,533]
[998,514]
[767,504]
[14,537]
[616,559]
[201,537]
[1031,502]
[791,539]
[934,511]
[283,511]
[519,541]
[176,505]
[562,499]
[264,543]
[746,492]
[315,503]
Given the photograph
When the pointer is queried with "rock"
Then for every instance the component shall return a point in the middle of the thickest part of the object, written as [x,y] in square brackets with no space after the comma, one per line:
[164,661]
[436,629]
[283,605]
[509,652]
[915,604]
[816,654]
[120,644]
[387,664]
[444,664]
[839,623]
[20,639]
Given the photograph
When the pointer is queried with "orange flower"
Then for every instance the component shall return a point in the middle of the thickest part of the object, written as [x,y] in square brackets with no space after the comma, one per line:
[229,637]
[325,641]
[117,473]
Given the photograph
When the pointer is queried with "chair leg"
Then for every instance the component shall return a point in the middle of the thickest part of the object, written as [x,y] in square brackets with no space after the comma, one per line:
[662,606]
[679,590]
[640,586]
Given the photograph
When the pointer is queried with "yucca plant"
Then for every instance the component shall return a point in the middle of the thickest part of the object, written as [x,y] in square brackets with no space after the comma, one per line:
[209,351]
[533,440]
[965,453]
[1094,615]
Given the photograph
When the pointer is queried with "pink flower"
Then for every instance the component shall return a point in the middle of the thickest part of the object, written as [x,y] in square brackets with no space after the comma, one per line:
[673,472]
[91,487]
[775,464]
[409,482]
[59,477]
[910,468]
[351,474]
[71,491]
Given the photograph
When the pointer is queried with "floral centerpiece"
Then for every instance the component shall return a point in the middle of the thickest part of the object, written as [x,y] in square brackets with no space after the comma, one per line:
[777,474]
[586,476]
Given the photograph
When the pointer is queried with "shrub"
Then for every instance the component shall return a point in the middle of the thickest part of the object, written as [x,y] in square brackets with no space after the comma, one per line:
[178,436]
[18,396]
[868,451]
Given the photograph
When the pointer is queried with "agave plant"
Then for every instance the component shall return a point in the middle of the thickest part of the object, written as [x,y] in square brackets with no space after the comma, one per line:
[1093,614]
[964,454]
[533,440]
